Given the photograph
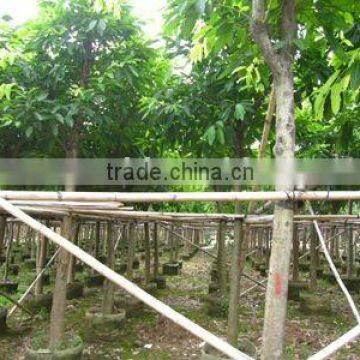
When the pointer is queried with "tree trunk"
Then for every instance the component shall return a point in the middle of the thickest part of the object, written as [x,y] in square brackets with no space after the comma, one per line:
[237,264]
[40,262]
[147,252]
[313,261]
[280,64]
[156,252]
[57,326]
[350,254]
[8,253]
[131,251]
[109,287]
[296,253]
[2,234]
[221,258]
[72,259]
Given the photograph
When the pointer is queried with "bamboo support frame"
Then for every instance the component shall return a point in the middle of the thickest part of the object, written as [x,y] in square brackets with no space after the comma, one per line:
[333,268]
[127,285]
[330,349]
[27,292]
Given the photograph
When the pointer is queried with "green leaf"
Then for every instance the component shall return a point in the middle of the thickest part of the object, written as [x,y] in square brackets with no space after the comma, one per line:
[91,25]
[210,134]
[336,98]
[220,135]
[29,131]
[42,96]
[55,130]
[59,118]
[69,121]
[38,116]
[101,26]
[239,112]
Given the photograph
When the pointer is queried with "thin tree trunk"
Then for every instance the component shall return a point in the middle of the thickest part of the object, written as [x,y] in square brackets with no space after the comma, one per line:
[109,288]
[296,253]
[72,259]
[221,258]
[156,252]
[57,325]
[313,261]
[147,252]
[237,264]
[40,263]
[280,64]
[8,253]
[350,254]
[131,251]
[2,234]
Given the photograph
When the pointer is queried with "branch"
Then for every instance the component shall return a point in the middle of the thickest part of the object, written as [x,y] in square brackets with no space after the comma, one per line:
[261,36]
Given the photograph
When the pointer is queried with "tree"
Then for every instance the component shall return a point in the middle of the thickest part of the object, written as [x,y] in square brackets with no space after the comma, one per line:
[78,70]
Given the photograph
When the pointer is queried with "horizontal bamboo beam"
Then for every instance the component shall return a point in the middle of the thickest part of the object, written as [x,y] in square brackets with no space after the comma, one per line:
[70,204]
[149,197]
[127,285]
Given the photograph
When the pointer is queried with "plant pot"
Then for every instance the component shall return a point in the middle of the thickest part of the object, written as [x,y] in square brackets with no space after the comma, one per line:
[30,264]
[94,280]
[151,287]
[171,269]
[74,290]
[132,306]
[9,287]
[121,268]
[102,321]
[160,282]
[295,288]
[38,302]
[14,269]
[136,264]
[72,353]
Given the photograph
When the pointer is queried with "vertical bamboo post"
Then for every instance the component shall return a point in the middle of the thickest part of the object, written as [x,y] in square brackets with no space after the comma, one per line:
[350,252]
[8,253]
[57,317]
[221,258]
[147,252]
[2,234]
[296,246]
[171,243]
[156,252]
[40,262]
[72,259]
[109,289]
[131,251]
[97,240]
[313,261]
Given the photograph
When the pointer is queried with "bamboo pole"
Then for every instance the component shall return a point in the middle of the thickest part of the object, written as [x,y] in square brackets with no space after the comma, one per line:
[27,292]
[127,285]
[180,197]
[333,269]
[337,344]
